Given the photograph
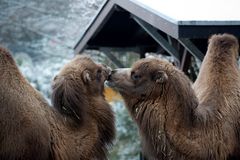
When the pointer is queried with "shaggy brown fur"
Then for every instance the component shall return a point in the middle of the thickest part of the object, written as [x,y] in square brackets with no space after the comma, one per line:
[78,93]
[173,123]
[218,88]
[24,130]
[80,126]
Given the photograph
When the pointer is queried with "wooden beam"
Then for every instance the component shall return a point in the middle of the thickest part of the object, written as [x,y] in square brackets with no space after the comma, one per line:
[158,38]
[191,48]
[186,61]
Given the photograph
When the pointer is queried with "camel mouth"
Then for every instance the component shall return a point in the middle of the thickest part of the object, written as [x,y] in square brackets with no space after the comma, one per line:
[110,82]
[107,72]
[109,78]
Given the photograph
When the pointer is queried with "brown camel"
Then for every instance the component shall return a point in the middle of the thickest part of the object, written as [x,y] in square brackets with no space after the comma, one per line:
[79,126]
[174,122]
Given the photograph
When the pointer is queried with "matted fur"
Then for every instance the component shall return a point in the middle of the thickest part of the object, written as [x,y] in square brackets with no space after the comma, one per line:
[78,95]
[218,88]
[79,126]
[24,130]
[173,121]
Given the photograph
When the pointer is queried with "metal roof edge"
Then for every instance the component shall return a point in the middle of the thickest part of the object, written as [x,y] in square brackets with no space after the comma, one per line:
[95,24]
[155,18]
[132,7]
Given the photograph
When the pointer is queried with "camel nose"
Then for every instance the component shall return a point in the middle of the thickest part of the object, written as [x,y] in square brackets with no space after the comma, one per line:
[110,75]
[113,71]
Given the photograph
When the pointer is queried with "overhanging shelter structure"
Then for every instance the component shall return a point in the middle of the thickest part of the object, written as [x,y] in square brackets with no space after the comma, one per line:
[178,28]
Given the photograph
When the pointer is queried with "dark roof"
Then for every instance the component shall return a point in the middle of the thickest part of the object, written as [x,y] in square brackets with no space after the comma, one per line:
[123,23]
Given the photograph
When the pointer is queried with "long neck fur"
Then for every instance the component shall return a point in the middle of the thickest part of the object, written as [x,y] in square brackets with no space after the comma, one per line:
[104,117]
[96,132]
[163,119]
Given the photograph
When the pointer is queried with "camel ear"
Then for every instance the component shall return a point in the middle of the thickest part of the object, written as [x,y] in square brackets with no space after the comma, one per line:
[67,98]
[86,76]
[160,77]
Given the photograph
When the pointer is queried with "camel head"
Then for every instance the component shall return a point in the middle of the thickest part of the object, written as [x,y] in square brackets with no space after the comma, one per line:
[77,82]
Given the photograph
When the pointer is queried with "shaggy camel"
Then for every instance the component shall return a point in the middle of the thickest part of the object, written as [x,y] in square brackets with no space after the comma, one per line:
[174,122]
[79,126]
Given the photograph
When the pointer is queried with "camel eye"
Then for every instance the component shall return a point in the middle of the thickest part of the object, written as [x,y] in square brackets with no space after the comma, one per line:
[135,76]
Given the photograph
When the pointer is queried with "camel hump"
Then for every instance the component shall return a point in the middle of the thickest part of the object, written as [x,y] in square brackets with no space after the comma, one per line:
[5,56]
[224,41]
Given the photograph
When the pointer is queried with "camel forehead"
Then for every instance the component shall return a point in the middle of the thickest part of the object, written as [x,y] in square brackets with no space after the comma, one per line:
[84,61]
[149,64]
[78,65]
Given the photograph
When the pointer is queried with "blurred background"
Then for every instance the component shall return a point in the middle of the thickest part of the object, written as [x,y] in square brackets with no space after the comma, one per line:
[41,34]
